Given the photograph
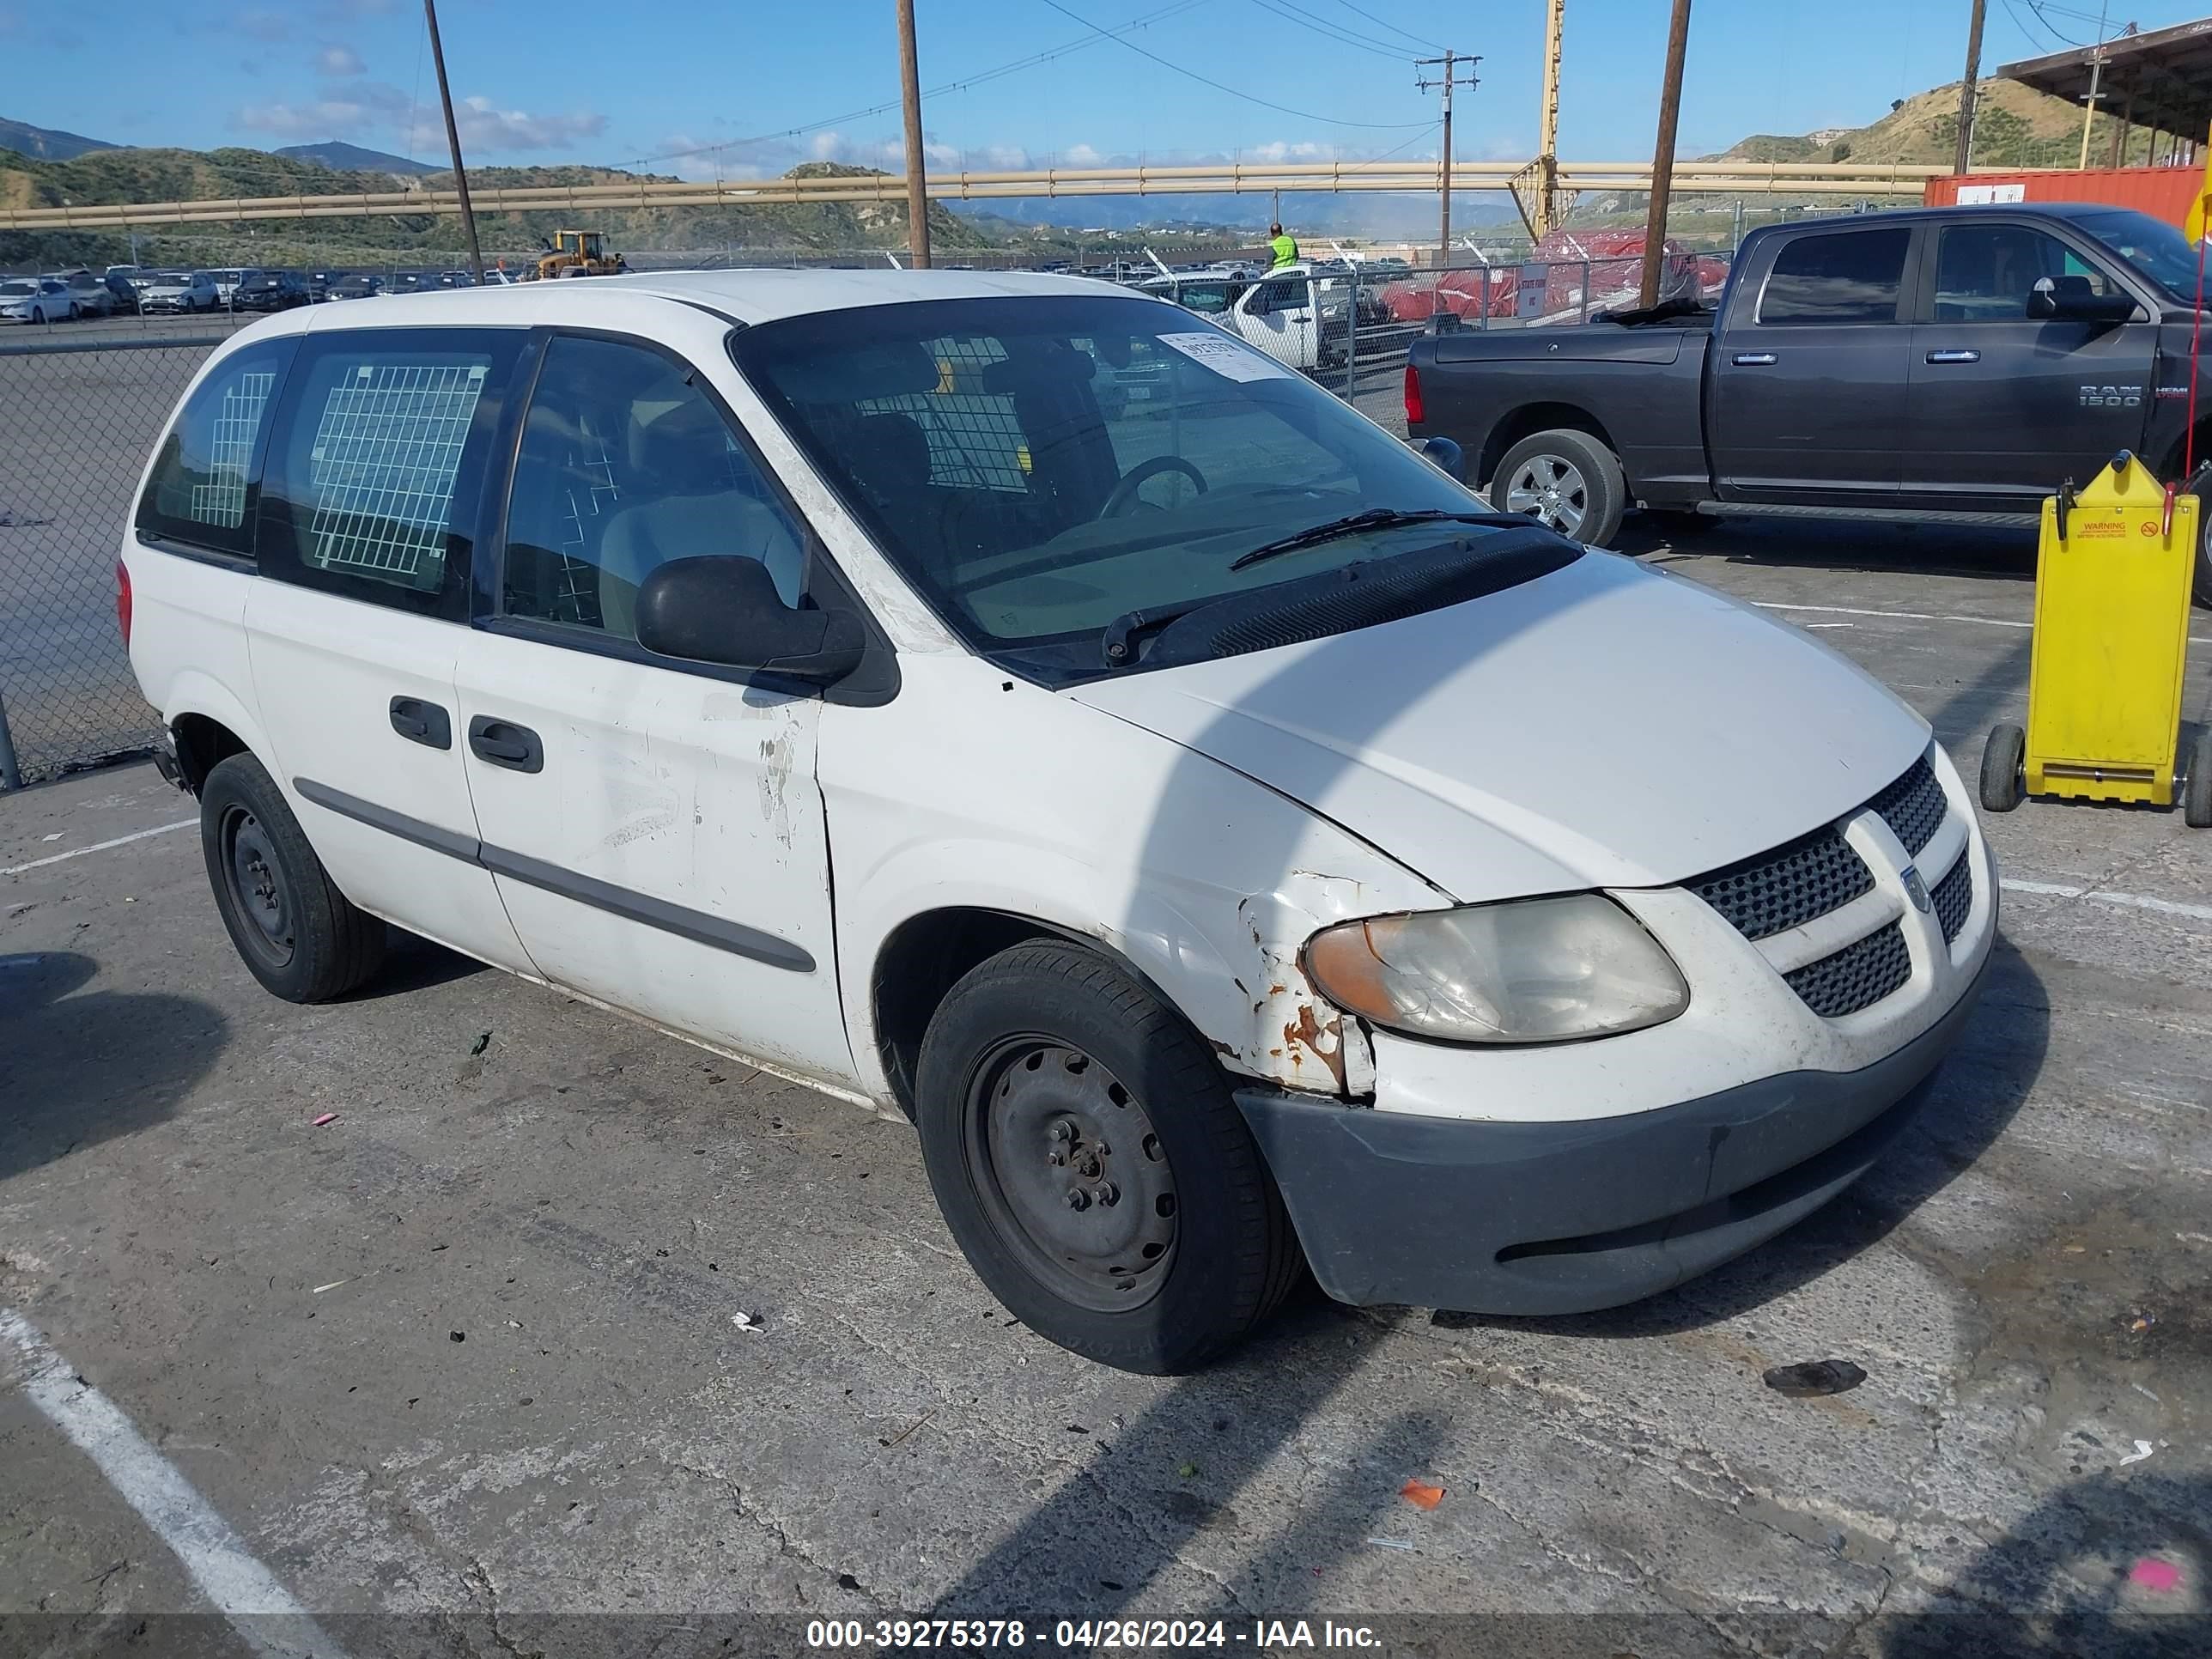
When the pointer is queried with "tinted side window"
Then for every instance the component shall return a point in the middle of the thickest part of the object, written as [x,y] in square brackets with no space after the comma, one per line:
[626,464]
[203,476]
[1983,273]
[376,466]
[1852,277]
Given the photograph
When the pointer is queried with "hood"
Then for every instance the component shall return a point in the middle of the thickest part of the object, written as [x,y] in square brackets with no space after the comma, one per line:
[1605,726]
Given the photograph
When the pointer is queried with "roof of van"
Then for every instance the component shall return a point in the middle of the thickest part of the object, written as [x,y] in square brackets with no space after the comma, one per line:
[749,297]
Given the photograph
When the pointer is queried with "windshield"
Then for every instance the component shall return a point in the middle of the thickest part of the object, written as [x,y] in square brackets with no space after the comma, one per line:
[18,288]
[1038,467]
[2152,247]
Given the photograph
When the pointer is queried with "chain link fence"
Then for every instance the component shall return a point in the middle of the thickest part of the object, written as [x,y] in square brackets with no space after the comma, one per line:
[79,416]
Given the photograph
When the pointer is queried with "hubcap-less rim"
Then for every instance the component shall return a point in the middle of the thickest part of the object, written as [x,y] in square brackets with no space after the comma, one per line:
[258,889]
[1071,1174]
[1550,489]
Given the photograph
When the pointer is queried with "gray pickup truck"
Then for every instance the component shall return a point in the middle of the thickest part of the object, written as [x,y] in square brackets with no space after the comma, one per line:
[1935,363]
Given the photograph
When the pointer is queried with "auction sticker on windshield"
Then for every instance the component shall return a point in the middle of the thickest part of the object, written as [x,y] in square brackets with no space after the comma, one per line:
[1225,356]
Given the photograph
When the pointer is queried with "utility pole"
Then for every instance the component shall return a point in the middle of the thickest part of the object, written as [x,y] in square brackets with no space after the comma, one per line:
[1962,158]
[453,143]
[917,184]
[1453,62]
[2089,104]
[1662,153]
[1547,123]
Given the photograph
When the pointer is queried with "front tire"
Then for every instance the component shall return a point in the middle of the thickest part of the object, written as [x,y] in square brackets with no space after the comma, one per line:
[1090,1162]
[297,934]
[1565,480]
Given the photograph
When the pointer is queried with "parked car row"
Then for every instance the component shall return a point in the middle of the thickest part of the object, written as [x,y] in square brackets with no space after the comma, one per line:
[62,296]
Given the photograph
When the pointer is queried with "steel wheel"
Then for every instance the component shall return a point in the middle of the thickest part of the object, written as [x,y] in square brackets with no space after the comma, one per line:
[1070,1173]
[1550,489]
[258,888]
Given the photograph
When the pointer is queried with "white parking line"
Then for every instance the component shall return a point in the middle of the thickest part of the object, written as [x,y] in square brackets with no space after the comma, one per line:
[243,1590]
[1910,616]
[99,846]
[2097,896]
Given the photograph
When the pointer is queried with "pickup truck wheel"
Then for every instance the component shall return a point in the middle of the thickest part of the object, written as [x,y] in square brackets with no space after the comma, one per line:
[301,936]
[1091,1164]
[2002,786]
[1566,480]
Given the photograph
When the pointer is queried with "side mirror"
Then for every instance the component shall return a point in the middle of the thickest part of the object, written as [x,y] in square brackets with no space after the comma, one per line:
[2070,299]
[1446,456]
[726,610]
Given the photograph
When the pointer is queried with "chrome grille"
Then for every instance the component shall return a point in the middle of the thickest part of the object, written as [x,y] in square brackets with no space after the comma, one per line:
[1788,887]
[1913,806]
[1954,896]
[1857,976]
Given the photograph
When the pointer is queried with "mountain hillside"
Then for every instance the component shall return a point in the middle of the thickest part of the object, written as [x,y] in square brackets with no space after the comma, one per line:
[47,143]
[345,157]
[2015,126]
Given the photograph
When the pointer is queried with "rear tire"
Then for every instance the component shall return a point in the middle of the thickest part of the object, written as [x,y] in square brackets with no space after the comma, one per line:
[1157,1239]
[297,934]
[2003,786]
[1565,480]
[2196,793]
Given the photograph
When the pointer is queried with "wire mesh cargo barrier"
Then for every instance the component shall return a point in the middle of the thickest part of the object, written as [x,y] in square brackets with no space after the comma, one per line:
[80,420]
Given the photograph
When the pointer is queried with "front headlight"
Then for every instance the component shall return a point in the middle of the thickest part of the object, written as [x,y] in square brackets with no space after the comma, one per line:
[1528,971]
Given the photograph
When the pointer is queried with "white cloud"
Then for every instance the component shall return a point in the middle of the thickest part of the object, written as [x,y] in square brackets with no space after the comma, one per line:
[1082,155]
[375,110]
[486,126]
[339,61]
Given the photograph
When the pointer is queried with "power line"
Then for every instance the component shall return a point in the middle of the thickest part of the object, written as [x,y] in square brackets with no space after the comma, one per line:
[963,84]
[1193,75]
[1417,39]
[1290,13]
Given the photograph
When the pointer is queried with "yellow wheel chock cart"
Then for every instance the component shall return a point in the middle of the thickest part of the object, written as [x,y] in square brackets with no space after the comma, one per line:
[2111,638]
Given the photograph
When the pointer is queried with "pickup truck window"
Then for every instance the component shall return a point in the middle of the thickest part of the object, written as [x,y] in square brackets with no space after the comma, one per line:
[1852,277]
[1983,273]
[2152,247]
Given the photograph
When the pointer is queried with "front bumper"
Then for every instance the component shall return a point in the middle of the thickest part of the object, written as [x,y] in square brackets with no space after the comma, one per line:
[1565,1217]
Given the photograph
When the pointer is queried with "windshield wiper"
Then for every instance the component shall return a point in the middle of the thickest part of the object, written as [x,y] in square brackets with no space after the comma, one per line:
[1118,644]
[1375,518]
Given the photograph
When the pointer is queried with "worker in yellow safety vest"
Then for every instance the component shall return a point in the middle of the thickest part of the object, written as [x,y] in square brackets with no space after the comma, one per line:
[1283,245]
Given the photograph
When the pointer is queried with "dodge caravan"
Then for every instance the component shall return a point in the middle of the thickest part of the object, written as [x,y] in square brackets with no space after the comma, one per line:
[1233,848]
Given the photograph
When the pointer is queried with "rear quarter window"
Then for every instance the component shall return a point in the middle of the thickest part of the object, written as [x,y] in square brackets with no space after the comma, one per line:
[376,463]
[199,494]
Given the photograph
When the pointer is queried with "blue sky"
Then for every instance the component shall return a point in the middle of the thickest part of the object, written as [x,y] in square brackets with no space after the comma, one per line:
[772,83]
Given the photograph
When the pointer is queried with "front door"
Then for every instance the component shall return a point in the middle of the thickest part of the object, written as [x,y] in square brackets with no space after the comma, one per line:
[1809,374]
[655,829]
[2005,407]
[368,511]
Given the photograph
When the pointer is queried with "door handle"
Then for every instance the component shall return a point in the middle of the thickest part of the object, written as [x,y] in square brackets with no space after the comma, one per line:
[1954,357]
[1753,359]
[422,722]
[505,744]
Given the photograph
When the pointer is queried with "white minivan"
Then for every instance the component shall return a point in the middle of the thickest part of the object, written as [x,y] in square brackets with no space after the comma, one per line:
[1235,849]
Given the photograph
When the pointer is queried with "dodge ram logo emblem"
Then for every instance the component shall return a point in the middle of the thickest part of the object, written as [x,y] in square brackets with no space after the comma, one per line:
[1915,889]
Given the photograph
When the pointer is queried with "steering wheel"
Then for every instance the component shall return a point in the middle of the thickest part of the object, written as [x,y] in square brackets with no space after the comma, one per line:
[1120,498]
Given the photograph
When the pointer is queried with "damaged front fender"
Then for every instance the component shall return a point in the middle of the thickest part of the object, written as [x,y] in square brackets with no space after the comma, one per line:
[1296,1038]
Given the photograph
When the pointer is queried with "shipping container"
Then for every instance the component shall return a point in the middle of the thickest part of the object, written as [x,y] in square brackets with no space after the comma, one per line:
[2163,192]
